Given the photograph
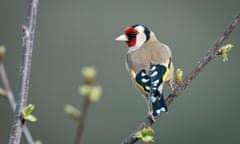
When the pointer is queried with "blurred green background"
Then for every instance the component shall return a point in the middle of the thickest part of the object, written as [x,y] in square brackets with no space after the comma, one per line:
[73,34]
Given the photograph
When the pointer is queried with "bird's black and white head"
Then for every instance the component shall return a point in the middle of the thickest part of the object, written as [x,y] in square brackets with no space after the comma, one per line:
[135,36]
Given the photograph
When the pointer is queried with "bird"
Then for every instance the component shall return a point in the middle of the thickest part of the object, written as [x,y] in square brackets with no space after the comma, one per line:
[149,63]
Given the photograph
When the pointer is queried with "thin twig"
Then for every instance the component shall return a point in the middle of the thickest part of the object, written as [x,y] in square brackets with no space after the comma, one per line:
[24,71]
[194,72]
[12,101]
[7,87]
[81,122]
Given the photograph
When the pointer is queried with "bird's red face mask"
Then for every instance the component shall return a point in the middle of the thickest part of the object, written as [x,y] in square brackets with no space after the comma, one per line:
[129,36]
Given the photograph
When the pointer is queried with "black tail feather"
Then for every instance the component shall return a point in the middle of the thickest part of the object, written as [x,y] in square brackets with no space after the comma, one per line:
[158,105]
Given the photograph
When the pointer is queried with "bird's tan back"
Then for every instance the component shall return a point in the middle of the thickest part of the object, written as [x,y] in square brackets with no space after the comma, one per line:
[151,52]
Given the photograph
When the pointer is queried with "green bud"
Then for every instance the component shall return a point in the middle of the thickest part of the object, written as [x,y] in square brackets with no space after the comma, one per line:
[84,90]
[38,142]
[72,111]
[179,74]
[88,74]
[3,92]
[2,51]
[148,130]
[95,93]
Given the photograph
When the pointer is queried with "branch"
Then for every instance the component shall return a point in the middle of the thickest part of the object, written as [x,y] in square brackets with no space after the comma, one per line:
[12,101]
[92,94]
[81,121]
[212,52]
[24,72]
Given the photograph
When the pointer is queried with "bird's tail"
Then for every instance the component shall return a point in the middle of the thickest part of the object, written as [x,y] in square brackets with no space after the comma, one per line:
[152,83]
[158,104]
[157,73]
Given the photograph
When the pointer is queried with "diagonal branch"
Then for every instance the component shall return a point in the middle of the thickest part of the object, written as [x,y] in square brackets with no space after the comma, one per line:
[194,72]
[24,72]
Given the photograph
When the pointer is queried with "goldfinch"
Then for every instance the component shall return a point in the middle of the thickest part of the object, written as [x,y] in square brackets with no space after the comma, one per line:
[149,63]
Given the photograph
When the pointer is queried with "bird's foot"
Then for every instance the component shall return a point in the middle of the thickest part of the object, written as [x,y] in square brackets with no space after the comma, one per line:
[172,85]
[151,117]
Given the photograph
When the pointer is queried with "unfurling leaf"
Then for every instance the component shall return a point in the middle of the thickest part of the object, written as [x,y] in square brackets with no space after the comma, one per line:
[28,109]
[148,139]
[224,50]
[26,113]
[144,134]
[31,118]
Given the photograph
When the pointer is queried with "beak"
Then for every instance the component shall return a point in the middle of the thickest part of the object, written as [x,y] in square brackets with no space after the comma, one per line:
[122,37]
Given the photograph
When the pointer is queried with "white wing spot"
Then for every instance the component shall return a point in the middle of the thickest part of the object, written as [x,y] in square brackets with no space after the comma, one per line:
[161,110]
[153,99]
[143,74]
[153,68]
[158,111]
[154,74]
[156,82]
[144,80]
[147,87]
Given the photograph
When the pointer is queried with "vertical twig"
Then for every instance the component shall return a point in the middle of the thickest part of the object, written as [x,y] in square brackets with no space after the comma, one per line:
[12,101]
[81,122]
[194,72]
[91,94]
[24,71]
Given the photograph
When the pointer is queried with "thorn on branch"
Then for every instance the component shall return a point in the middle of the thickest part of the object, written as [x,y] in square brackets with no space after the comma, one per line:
[25,31]
[25,35]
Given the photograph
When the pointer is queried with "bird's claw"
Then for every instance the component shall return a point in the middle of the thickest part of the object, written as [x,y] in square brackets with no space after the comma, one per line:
[151,117]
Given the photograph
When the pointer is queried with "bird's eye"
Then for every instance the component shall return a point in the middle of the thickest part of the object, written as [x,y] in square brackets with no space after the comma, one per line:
[132,34]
